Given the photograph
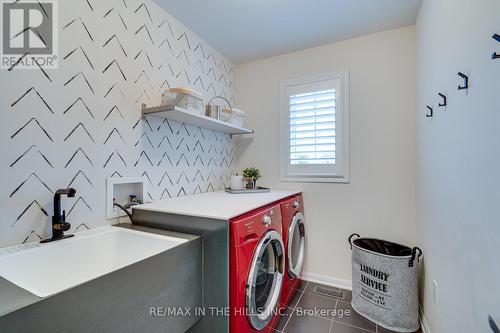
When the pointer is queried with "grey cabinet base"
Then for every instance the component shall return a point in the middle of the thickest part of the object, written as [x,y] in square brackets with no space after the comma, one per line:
[215,269]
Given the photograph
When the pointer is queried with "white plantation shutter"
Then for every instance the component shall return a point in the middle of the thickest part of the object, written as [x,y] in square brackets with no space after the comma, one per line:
[315,129]
[312,127]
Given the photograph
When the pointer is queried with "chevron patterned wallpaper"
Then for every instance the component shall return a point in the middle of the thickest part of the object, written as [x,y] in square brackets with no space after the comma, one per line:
[80,124]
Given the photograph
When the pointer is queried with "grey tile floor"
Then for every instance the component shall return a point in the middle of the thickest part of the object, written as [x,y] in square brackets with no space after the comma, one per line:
[337,315]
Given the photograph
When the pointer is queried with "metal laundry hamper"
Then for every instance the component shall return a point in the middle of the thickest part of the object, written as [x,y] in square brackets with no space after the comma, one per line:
[384,283]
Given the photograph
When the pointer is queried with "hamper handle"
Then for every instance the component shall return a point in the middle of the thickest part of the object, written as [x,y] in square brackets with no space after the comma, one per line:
[350,239]
[414,254]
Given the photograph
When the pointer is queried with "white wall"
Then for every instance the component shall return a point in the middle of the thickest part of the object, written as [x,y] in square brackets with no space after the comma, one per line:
[182,159]
[379,201]
[458,215]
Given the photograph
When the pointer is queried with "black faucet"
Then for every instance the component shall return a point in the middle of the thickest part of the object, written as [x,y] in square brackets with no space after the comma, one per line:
[59,224]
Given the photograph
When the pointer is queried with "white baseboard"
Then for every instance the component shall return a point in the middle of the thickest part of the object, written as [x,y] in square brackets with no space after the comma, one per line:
[423,322]
[347,284]
[326,280]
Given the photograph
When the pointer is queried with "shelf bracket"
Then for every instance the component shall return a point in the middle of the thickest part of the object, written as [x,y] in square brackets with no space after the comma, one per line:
[251,133]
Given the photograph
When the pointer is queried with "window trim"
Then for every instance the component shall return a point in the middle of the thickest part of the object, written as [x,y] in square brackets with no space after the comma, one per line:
[342,130]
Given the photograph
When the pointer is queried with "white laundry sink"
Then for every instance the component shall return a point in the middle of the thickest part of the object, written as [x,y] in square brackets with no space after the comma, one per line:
[47,269]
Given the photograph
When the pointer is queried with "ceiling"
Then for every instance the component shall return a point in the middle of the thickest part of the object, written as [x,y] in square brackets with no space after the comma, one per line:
[247,30]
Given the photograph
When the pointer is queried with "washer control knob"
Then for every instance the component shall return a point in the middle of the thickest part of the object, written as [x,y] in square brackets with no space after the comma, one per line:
[267,220]
[296,204]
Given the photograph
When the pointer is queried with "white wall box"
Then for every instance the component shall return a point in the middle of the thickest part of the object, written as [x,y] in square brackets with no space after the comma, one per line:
[120,189]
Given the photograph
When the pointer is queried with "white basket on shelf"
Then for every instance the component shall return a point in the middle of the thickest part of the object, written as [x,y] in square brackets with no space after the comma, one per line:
[184,98]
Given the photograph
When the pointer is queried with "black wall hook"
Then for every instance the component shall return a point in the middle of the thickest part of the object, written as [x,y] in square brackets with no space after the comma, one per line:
[431,112]
[444,100]
[493,325]
[496,55]
[466,81]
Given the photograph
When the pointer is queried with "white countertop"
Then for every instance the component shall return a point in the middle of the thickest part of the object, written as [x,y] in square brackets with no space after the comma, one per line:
[215,205]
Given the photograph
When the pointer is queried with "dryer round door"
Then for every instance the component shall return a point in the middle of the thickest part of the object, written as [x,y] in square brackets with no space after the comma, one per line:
[296,245]
[265,280]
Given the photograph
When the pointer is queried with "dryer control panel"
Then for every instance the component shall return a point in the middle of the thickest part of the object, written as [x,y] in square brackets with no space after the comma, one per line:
[293,205]
[255,224]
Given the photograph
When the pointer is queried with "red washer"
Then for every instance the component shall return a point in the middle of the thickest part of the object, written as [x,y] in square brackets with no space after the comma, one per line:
[292,211]
[257,269]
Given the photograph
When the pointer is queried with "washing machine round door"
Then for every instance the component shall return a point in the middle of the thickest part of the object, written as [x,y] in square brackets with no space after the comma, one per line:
[296,242]
[265,280]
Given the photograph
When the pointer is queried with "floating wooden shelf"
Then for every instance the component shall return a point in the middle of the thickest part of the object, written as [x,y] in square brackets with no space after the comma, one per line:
[182,115]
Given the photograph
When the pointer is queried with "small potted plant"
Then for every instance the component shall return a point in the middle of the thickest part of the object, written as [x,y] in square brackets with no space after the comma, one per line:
[251,175]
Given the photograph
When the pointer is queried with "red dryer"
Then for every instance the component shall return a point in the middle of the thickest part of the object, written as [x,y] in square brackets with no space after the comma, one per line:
[292,211]
[257,270]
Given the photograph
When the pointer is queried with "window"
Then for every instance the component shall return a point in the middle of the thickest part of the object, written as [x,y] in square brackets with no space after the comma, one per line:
[315,129]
